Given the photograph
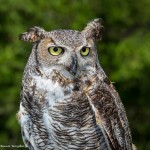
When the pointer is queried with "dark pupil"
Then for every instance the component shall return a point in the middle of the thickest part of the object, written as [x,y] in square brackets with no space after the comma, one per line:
[55,49]
[84,49]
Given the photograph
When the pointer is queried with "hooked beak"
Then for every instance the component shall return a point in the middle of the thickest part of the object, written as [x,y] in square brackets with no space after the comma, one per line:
[73,66]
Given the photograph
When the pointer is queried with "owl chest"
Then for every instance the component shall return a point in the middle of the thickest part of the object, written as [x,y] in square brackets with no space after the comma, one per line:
[65,104]
[67,115]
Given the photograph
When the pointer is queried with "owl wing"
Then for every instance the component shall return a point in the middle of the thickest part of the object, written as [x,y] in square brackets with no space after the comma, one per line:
[23,117]
[33,130]
[110,115]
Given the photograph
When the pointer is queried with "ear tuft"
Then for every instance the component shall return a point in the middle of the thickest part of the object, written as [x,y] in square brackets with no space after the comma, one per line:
[94,29]
[32,35]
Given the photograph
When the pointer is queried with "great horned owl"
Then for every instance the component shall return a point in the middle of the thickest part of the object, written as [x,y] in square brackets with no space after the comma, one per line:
[67,101]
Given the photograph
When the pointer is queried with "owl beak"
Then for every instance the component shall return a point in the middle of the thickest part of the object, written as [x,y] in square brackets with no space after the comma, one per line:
[73,66]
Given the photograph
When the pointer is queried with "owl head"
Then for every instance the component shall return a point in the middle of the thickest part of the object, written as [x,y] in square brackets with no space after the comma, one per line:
[67,50]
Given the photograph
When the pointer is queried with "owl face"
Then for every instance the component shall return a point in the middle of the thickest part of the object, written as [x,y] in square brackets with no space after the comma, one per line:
[67,50]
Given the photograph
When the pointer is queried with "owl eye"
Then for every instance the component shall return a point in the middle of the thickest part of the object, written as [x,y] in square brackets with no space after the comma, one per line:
[55,51]
[85,51]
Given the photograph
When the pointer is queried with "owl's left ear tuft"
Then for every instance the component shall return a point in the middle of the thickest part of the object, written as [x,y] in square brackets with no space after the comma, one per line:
[94,29]
[32,35]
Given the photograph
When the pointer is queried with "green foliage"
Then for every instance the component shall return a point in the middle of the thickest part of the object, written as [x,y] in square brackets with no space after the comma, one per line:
[124,54]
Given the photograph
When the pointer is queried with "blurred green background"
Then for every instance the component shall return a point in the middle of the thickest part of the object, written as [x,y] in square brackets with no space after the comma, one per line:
[124,54]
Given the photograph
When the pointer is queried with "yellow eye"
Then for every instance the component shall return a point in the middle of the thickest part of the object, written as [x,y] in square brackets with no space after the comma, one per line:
[55,51]
[85,51]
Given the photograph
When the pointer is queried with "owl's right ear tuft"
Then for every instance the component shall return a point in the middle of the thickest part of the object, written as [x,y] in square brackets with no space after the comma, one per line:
[32,35]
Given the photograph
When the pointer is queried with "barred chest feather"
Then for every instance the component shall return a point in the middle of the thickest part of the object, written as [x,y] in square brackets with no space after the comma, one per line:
[62,117]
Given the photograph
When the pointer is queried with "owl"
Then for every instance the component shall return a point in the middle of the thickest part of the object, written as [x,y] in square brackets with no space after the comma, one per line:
[67,101]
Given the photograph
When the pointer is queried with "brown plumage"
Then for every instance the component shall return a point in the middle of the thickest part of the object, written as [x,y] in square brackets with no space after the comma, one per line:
[67,101]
